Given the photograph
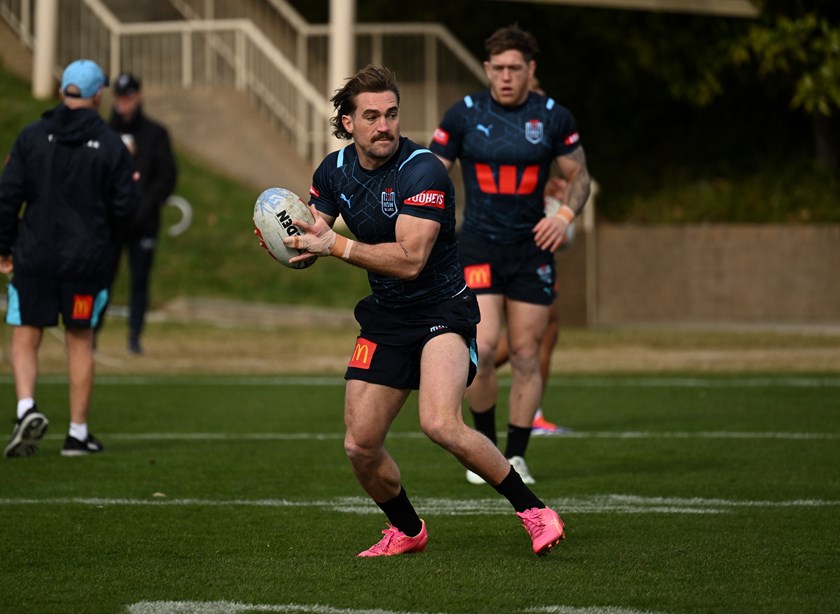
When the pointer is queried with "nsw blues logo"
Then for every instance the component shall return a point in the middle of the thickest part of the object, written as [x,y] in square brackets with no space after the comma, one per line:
[544,272]
[534,131]
[389,202]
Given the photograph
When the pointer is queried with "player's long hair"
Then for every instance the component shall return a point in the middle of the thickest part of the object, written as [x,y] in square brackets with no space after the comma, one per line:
[370,79]
[512,37]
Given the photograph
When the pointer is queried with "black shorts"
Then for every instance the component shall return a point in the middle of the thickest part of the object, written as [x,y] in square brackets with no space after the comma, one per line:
[391,341]
[520,271]
[38,301]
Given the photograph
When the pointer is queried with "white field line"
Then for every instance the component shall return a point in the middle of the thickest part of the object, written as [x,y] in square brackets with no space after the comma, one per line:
[418,435]
[595,609]
[555,381]
[234,607]
[596,504]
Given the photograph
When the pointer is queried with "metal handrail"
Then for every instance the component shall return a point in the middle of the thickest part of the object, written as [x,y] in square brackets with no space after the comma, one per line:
[239,53]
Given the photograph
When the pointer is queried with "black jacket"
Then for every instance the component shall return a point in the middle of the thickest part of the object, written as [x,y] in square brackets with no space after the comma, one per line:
[79,185]
[158,173]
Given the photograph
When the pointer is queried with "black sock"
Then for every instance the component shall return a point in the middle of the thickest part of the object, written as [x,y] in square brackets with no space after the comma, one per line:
[401,514]
[485,423]
[517,441]
[520,496]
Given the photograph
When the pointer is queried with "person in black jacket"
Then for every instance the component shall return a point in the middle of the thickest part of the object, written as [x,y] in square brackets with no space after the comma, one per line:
[149,142]
[78,182]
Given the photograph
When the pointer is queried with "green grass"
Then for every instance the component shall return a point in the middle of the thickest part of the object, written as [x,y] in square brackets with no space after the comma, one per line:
[680,494]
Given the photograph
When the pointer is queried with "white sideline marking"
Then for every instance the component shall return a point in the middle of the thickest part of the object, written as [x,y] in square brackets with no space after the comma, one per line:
[225,607]
[418,435]
[595,609]
[596,504]
[234,607]
[555,381]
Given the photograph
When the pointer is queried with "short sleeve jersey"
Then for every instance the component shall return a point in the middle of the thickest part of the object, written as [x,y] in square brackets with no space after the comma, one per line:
[506,155]
[413,182]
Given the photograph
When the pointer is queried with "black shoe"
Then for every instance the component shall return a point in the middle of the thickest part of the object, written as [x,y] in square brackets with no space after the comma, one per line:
[28,432]
[75,447]
[134,346]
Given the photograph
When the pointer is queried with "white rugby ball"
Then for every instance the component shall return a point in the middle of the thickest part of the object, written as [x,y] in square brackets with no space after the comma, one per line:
[273,214]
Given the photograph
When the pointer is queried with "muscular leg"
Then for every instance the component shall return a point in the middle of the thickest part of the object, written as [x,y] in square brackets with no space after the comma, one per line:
[443,371]
[526,327]
[484,389]
[79,344]
[369,410]
[502,354]
[549,340]
[25,343]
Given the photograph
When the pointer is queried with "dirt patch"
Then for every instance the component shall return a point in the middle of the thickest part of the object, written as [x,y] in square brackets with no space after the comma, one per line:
[323,349]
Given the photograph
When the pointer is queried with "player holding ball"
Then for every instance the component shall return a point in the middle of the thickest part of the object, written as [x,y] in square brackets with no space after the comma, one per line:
[418,325]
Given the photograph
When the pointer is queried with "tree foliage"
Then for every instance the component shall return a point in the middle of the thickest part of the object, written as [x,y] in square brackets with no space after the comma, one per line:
[807,50]
[669,100]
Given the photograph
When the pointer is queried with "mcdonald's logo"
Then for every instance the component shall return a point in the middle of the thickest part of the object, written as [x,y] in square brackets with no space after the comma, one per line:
[506,181]
[362,354]
[82,306]
[478,276]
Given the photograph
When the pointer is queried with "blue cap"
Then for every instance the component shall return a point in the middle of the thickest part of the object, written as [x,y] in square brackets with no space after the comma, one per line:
[85,75]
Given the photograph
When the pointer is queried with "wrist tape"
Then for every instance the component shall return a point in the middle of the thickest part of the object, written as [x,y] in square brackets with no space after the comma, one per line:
[342,247]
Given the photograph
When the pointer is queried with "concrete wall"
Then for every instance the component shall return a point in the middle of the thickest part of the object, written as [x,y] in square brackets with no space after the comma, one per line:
[701,274]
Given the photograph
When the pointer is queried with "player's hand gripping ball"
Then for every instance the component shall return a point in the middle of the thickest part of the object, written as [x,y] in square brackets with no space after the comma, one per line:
[273,214]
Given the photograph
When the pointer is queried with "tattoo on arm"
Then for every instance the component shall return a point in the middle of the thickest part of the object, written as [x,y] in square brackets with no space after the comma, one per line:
[405,251]
[578,189]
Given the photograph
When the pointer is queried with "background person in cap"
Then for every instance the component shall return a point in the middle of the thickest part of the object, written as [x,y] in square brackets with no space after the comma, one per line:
[149,143]
[78,182]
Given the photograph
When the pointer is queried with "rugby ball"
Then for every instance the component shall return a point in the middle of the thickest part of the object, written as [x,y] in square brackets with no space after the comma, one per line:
[273,214]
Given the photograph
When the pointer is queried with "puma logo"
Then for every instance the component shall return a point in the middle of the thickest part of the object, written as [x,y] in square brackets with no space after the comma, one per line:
[484,129]
[347,200]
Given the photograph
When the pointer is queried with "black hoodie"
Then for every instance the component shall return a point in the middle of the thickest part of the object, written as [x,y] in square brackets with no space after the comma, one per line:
[79,185]
[156,163]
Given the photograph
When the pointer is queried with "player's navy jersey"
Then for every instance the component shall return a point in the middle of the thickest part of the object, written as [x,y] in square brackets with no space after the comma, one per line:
[413,182]
[506,154]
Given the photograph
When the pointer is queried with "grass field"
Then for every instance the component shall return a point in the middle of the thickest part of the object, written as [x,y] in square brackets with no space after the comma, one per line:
[232,494]
[711,486]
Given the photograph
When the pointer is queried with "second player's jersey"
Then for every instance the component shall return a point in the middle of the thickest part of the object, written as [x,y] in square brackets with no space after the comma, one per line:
[506,154]
[413,182]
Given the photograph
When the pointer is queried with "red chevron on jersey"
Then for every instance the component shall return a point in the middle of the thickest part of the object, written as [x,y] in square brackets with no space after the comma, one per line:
[507,179]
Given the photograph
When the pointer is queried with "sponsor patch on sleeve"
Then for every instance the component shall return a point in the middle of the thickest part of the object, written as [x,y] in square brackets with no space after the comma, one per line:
[427,198]
[573,138]
[441,136]
[314,191]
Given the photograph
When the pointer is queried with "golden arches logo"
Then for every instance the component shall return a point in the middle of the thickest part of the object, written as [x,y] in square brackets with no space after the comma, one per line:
[362,354]
[82,306]
[477,276]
